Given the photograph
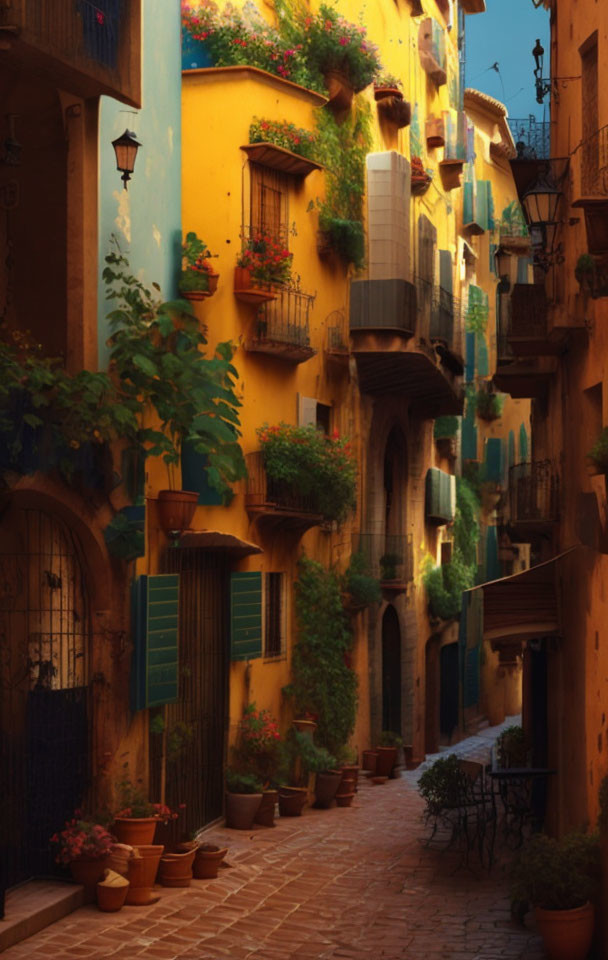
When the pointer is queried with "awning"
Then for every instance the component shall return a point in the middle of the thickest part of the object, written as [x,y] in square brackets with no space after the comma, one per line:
[523,606]
[220,542]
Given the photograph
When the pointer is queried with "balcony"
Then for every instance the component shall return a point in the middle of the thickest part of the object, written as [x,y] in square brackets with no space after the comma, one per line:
[525,376]
[533,500]
[390,558]
[392,332]
[431,46]
[337,345]
[528,332]
[85,48]
[281,327]
[591,189]
[532,138]
[274,503]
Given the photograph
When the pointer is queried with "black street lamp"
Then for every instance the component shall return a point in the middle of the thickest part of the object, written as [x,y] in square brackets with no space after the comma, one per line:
[541,204]
[125,148]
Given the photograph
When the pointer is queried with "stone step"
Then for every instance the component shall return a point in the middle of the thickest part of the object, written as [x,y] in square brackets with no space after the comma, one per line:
[34,905]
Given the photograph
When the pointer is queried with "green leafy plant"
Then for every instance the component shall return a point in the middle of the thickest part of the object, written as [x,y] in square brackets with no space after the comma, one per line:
[388,738]
[389,563]
[196,268]
[557,874]
[387,80]
[267,258]
[362,588]
[467,529]
[258,744]
[445,428]
[322,683]
[442,785]
[489,405]
[283,134]
[331,43]
[445,584]
[157,362]
[512,748]
[478,311]
[321,468]
[300,757]
[585,264]
[124,538]
[512,222]
[133,801]
[238,782]
[599,451]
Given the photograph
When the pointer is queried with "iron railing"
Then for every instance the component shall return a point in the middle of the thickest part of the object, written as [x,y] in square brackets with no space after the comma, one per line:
[336,326]
[594,164]
[529,311]
[264,492]
[388,556]
[533,492]
[98,40]
[383,304]
[440,312]
[532,138]
[285,320]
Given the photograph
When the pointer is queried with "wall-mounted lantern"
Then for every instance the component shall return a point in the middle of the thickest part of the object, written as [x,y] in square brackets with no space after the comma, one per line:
[541,204]
[125,148]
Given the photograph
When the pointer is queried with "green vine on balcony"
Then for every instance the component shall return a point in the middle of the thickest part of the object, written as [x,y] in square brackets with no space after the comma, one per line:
[445,584]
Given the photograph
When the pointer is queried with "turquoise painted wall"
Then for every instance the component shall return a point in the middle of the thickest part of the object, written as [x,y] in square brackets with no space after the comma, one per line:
[146,218]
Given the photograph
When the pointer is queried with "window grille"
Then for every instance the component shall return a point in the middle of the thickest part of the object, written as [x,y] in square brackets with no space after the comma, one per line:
[273,615]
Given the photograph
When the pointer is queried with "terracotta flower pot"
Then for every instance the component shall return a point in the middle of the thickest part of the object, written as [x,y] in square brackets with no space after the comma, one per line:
[213,282]
[346,785]
[369,759]
[305,726]
[250,290]
[176,509]
[326,787]
[344,800]
[387,757]
[241,809]
[351,772]
[135,830]
[567,934]
[339,90]
[207,861]
[378,781]
[88,873]
[292,801]
[175,869]
[265,814]
[194,294]
[435,132]
[381,92]
[112,892]
[142,874]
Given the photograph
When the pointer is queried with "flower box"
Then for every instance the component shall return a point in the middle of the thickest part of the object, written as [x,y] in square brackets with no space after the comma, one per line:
[451,171]
[395,110]
[380,93]
[420,179]
[249,290]
[435,132]
[279,158]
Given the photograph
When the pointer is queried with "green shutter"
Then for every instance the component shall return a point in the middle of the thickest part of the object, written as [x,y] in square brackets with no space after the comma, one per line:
[155,608]
[440,495]
[511,453]
[245,616]
[494,460]
[483,360]
[523,444]
[467,209]
[481,204]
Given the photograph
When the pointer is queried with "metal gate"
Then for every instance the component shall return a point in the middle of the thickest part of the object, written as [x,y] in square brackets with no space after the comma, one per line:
[44,730]
[196,725]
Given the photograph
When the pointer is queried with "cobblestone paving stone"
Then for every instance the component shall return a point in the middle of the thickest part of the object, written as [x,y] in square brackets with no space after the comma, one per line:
[345,884]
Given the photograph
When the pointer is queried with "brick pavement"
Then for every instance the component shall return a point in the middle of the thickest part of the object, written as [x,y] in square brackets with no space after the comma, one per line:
[353,884]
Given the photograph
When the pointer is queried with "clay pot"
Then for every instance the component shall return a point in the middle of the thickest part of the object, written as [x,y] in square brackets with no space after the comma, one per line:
[213,279]
[175,869]
[118,861]
[265,814]
[378,781]
[135,830]
[241,809]
[305,726]
[381,92]
[368,760]
[567,934]
[292,801]
[88,873]
[346,786]
[351,772]
[387,757]
[345,799]
[326,787]
[142,874]
[194,294]
[435,132]
[176,509]
[207,861]
[339,90]
[112,892]
[249,290]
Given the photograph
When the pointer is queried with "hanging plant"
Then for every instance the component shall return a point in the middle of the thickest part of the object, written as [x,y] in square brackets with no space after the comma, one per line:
[197,279]
[489,405]
[330,44]
[284,134]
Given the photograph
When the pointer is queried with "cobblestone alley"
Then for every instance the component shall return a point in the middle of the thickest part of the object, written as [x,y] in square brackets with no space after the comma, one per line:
[353,884]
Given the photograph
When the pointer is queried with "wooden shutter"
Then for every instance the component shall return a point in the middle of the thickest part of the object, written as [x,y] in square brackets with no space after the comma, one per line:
[440,495]
[155,607]
[307,411]
[245,616]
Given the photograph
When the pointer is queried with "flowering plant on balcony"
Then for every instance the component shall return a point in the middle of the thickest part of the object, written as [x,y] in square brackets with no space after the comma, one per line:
[319,467]
[267,259]
[81,840]
[330,43]
[233,37]
[283,134]
[196,269]
[387,81]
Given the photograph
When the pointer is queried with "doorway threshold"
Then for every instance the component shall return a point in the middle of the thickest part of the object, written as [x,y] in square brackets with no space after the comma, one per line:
[34,905]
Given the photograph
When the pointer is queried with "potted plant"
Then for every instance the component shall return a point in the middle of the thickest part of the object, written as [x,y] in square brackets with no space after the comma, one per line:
[197,279]
[301,757]
[389,563]
[599,452]
[257,753]
[387,752]
[512,748]
[284,134]
[360,589]
[112,891]
[142,870]
[263,265]
[175,869]
[387,85]
[243,799]
[207,860]
[85,847]
[420,178]
[136,820]
[340,52]
[584,272]
[560,878]
[156,358]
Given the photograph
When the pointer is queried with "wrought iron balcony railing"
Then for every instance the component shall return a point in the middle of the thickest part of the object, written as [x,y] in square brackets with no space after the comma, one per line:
[532,138]
[276,499]
[383,305]
[281,327]
[440,313]
[594,164]
[533,493]
[389,557]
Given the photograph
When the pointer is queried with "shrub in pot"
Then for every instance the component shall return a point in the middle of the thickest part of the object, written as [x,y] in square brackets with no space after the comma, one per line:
[198,279]
[85,847]
[243,799]
[300,757]
[560,878]
[388,751]
[257,753]
[512,748]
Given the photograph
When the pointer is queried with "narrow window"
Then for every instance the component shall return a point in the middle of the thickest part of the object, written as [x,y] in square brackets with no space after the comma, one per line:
[269,211]
[274,615]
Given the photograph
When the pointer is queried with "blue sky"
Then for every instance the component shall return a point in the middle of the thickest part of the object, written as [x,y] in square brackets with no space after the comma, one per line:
[506,34]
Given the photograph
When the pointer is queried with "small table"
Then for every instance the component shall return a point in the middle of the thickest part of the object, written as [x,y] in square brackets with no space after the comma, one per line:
[522,791]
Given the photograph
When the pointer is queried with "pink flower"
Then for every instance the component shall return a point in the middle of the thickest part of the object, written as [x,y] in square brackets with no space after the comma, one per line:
[343,41]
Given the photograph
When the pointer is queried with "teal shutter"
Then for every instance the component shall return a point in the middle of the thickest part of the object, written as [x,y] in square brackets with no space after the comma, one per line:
[468,204]
[481,205]
[493,249]
[245,616]
[194,476]
[469,372]
[492,571]
[155,611]
[469,439]
[511,453]
[483,361]
[440,495]
[494,460]
[523,444]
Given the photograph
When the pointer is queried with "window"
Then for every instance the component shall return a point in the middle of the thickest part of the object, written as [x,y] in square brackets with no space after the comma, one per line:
[274,615]
[446,552]
[313,412]
[324,417]
[269,209]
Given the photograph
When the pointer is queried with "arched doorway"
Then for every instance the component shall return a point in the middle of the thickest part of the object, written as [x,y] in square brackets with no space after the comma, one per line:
[449,691]
[44,686]
[391,671]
